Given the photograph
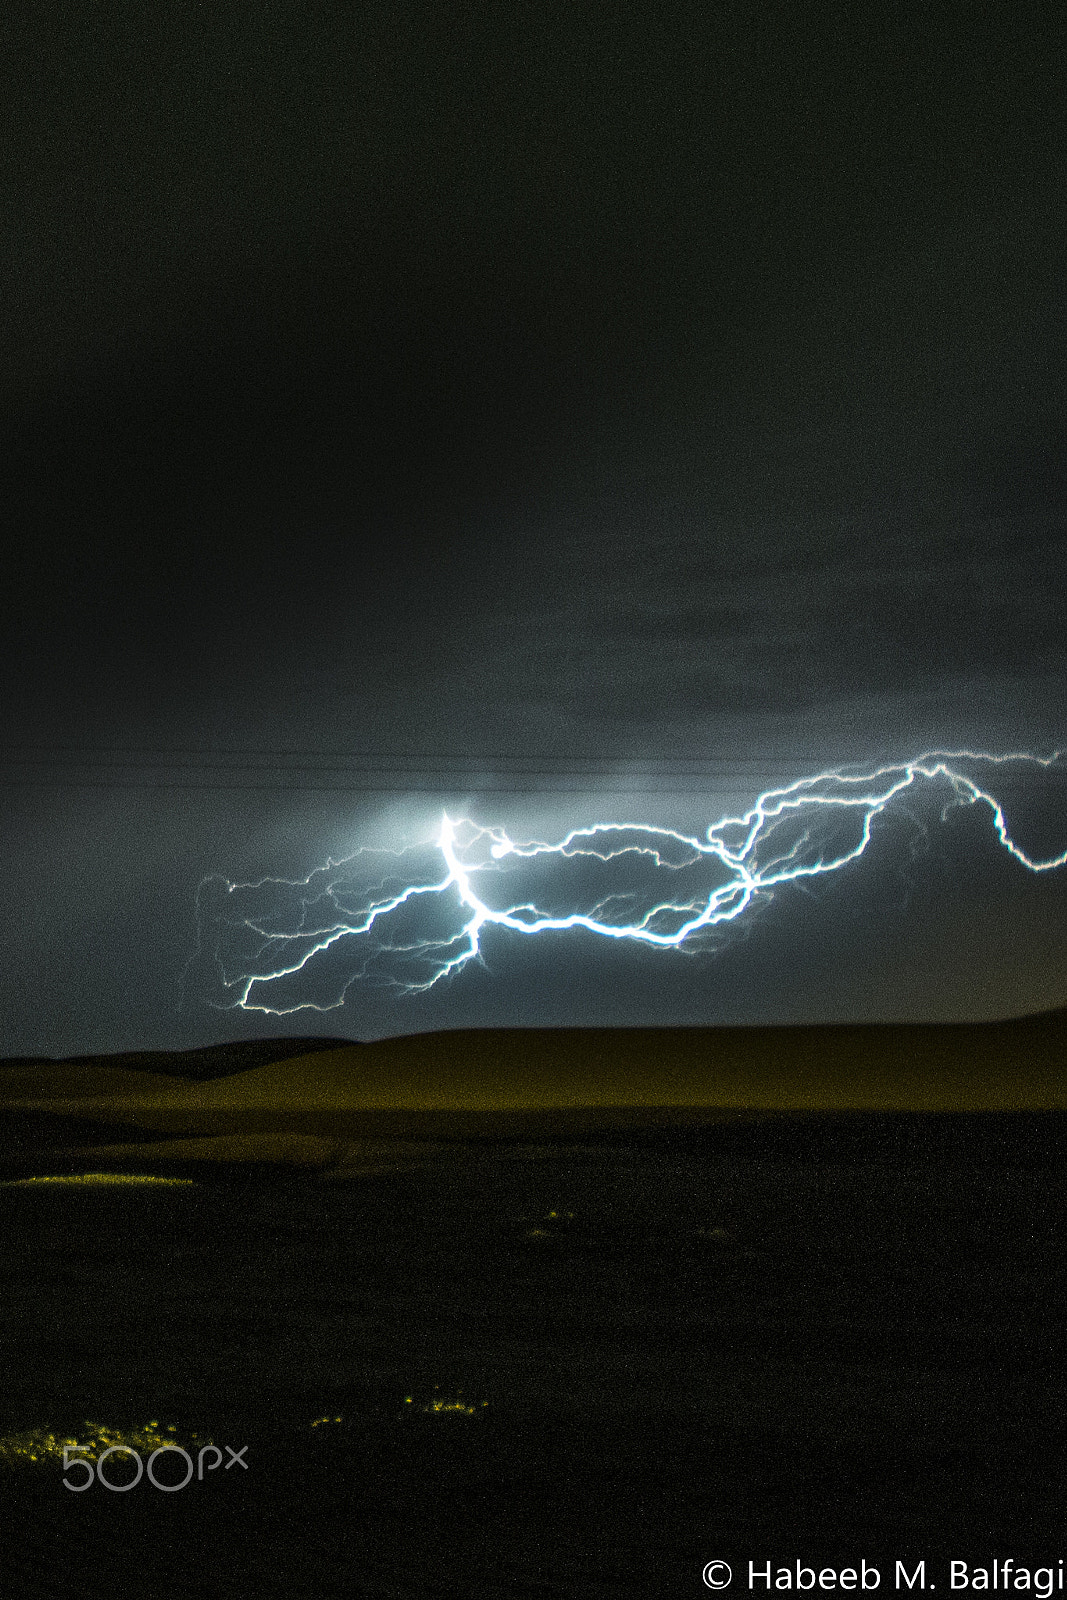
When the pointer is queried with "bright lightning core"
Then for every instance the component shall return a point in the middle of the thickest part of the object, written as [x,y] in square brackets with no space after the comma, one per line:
[409,918]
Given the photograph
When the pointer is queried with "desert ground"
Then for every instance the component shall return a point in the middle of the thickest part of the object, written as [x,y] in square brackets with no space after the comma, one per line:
[496,1345]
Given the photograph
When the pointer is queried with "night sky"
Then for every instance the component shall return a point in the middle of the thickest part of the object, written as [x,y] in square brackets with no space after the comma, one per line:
[553,415]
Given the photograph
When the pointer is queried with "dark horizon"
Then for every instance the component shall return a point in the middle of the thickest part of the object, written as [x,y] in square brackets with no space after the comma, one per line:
[224,1057]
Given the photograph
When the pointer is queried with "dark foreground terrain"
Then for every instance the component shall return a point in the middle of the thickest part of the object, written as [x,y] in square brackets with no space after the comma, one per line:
[580,1367]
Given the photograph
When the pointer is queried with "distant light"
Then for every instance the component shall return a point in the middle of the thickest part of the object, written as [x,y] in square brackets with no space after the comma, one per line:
[95,1178]
[38,1444]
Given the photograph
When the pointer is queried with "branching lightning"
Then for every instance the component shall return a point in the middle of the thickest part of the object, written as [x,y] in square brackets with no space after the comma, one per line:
[412,917]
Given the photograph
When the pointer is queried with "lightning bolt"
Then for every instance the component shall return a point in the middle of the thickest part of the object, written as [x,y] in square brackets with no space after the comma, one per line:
[410,918]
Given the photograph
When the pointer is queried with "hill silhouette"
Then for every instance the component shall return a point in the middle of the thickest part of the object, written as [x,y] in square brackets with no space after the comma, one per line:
[521,1082]
[207,1061]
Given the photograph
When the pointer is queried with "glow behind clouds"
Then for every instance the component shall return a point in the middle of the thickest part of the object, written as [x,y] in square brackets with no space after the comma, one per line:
[410,918]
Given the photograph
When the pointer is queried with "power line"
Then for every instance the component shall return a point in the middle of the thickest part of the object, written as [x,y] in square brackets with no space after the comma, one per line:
[89,767]
[388,761]
[349,788]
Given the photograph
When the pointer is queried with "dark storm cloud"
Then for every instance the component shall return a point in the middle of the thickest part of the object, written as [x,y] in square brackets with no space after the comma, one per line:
[794,631]
[453,379]
[1024,477]
[185,530]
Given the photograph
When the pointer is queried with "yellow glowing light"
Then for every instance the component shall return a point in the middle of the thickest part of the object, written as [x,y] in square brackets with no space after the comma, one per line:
[442,1406]
[96,1178]
[37,1444]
